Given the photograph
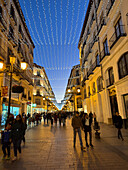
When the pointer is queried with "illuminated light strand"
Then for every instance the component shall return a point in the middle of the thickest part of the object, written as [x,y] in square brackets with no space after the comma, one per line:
[45,20]
[61,23]
[67,8]
[39,16]
[35,22]
[76,22]
[44,56]
[55,3]
[49,9]
[30,24]
[73,5]
[82,21]
[48,56]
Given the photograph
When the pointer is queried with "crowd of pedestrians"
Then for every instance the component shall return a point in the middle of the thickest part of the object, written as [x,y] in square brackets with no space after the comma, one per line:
[53,118]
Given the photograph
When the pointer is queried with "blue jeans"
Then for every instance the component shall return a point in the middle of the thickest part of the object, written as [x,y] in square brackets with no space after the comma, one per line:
[80,138]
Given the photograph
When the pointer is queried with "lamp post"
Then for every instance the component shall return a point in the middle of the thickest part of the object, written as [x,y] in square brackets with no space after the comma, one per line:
[74,92]
[11,71]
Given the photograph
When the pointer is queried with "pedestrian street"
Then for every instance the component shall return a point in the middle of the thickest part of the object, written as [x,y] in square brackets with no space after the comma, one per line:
[51,148]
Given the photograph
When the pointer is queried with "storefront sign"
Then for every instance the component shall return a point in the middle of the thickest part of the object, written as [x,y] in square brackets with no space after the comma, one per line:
[4,91]
[33,105]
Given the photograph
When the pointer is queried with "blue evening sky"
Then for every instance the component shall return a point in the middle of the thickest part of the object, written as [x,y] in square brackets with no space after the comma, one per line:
[55,27]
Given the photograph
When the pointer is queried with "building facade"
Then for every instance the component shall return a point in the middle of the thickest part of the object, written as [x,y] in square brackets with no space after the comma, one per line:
[103,48]
[43,96]
[15,40]
[73,98]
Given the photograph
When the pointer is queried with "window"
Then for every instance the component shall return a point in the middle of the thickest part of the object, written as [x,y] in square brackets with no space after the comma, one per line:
[85,94]
[12,12]
[77,82]
[77,72]
[38,82]
[123,65]
[38,73]
[38,92]
[89,91]
[97,59]
[111,76]
[105,44]
[11,33]
[38,101]
[119,28]
[94,89]
[0,11]
[99,84]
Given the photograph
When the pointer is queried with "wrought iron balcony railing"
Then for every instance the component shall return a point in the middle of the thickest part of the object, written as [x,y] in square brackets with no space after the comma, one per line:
[119,32]
[3,22]
[105,52]
[109,6]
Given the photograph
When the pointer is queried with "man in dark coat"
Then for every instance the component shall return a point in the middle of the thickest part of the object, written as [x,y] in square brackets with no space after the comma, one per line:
[77,124]
[118,125]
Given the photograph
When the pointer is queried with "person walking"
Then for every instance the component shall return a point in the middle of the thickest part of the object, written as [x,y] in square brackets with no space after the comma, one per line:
[5,141]
[16,135]
[77,124]
[119,125]
[87,121]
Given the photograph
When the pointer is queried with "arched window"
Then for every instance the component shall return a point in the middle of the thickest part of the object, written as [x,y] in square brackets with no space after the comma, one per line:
[123,65]
[99,84]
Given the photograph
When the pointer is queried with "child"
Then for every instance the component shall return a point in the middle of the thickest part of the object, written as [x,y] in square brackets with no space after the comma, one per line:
[6,141]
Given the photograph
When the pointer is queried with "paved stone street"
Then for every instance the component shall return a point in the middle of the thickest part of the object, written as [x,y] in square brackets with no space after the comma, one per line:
[52,148]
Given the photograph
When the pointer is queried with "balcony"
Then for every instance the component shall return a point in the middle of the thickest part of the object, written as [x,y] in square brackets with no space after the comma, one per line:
[13,19]
[3,23]
[12,39]
[105,52]
[102,23]
[3,53]
[95,64]
[90,71]
[110,81]
[20,51]
[117,35]
[109,6]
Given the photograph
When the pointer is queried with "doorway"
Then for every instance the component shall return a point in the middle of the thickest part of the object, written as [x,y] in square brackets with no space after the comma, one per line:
[114,106]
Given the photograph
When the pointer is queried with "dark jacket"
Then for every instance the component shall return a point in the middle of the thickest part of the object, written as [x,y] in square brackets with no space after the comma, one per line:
[5,136]
[17,130]
[118,122]
[76,122]
[87,128]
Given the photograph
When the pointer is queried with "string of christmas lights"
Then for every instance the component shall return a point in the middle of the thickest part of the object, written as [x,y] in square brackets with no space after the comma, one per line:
[76,23]
[55,4]
[35,40]
[53,41]
[45,19]
[67,8]
[39,16]
[35,23]
[73,8]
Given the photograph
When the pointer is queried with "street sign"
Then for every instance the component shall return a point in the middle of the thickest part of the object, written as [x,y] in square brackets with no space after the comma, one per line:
[4,91]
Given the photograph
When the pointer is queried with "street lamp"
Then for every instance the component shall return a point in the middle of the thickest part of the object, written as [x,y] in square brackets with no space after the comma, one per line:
[3,70]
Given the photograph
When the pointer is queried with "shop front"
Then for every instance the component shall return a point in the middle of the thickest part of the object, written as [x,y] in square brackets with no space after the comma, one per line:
[14,109]
[126,110]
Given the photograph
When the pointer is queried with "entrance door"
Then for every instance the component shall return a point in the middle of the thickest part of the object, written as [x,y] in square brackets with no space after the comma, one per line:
[114,106]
